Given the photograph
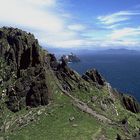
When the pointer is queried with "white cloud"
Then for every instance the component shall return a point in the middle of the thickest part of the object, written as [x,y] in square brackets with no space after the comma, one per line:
[118,35]
[53,26]
[69,43]
[105,43]
[42,2]
[24,13]
[111,19]
[125,32]
[122,43]
[77,27]
[114,20]
[42,18]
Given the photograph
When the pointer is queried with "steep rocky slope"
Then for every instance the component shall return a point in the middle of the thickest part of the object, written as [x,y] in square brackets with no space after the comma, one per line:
[31,77]
[26,61]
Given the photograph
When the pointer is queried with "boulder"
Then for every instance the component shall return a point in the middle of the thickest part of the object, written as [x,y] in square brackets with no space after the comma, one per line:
[93,76]
[130,103]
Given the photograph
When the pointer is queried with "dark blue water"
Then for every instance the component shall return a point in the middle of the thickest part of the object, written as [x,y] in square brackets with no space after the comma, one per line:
[121,70]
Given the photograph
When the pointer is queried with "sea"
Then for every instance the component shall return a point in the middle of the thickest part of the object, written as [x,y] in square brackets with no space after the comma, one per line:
[122,71]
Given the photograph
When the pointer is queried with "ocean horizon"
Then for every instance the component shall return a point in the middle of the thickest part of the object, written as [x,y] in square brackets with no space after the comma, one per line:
[122,71]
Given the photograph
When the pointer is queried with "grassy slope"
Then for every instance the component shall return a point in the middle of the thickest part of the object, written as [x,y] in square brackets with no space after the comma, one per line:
[54,123]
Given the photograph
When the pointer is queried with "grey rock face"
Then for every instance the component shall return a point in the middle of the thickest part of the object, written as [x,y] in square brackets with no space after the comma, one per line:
[22,53]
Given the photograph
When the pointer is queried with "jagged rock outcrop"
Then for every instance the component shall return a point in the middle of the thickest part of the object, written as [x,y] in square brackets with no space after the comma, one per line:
[26,59]
[93,76]
[22,53]
[19,48]
[68,78]
[26,80]
[130,103]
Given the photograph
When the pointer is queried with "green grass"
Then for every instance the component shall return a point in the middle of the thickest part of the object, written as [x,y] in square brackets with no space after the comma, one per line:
[56,125]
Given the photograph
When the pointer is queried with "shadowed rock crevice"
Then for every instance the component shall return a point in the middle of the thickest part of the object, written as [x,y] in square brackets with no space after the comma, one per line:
[35,55]
[25,59]
[36,96]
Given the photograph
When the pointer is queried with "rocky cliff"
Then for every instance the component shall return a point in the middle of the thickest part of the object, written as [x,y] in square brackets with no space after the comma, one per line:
[31,77]
[22,53]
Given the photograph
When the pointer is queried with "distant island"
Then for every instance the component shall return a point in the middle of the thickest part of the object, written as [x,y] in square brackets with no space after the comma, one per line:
[70,58]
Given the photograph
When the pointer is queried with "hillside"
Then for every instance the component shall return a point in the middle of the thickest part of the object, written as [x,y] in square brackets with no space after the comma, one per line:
[42,99]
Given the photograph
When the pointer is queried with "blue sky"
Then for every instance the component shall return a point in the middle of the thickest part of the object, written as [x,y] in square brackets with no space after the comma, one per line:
[91,24]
